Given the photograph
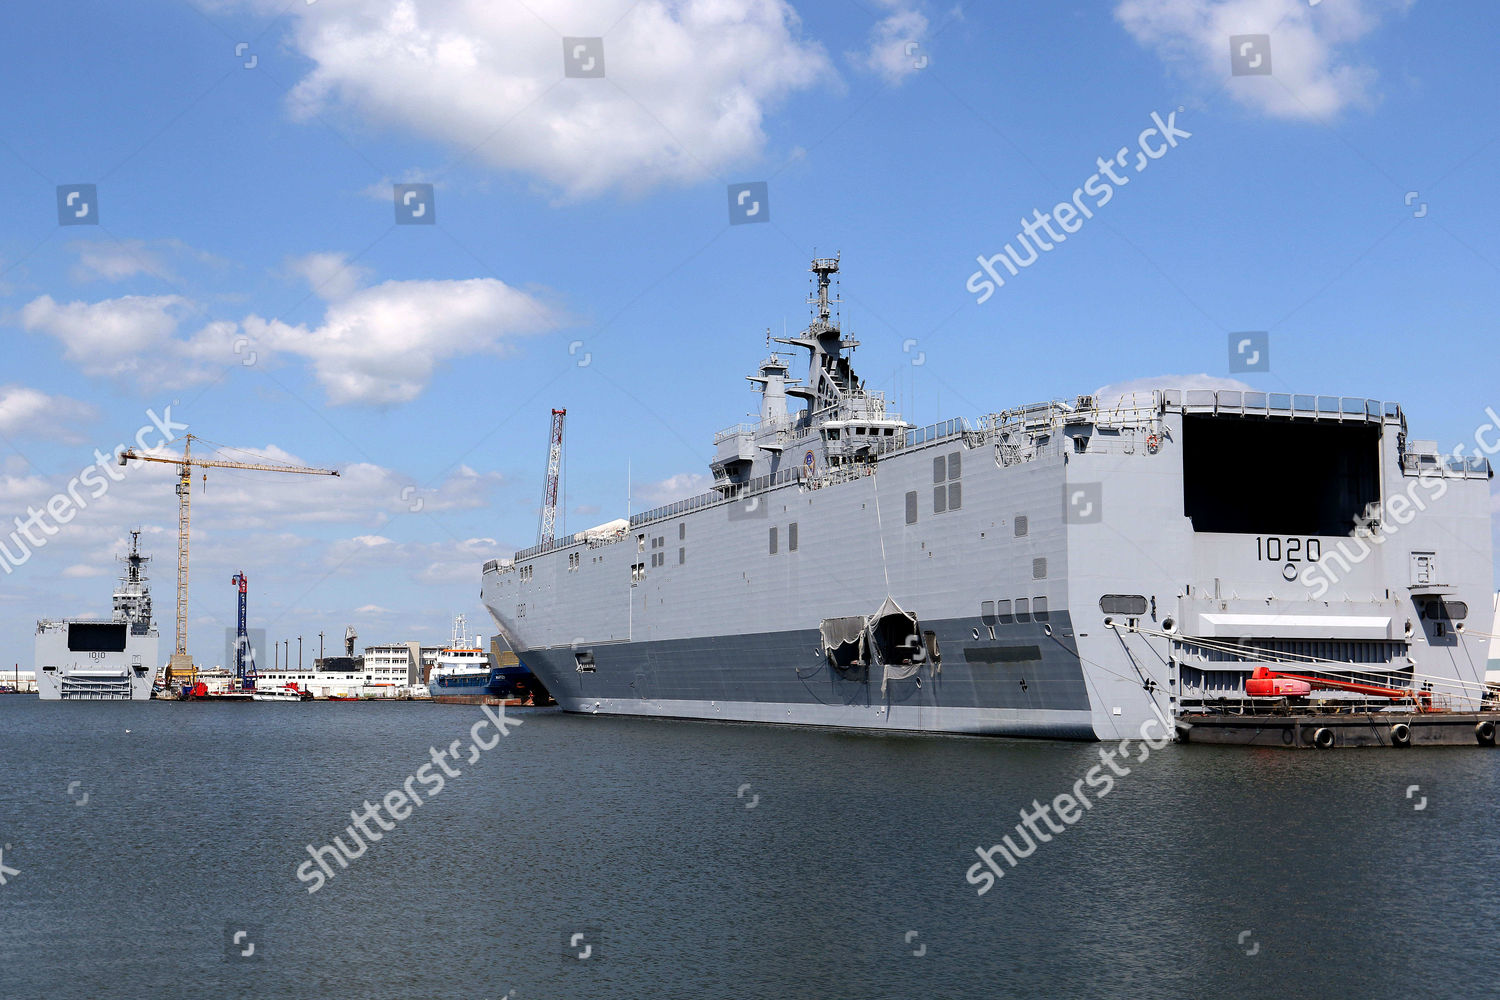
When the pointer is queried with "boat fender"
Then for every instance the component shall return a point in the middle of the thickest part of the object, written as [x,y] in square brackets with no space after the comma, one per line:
[1484,732]
[1323,738]
[1400,735]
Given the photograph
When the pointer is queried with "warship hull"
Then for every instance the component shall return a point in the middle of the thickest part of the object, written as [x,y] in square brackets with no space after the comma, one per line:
[1084,570]
[102,659]
[780,678]
[94,661]
[722,627]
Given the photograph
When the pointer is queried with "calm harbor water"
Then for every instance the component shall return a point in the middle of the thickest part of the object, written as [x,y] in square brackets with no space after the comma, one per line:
[839,871]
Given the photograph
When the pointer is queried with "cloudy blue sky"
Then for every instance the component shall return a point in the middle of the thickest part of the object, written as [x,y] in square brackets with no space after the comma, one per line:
[241,260]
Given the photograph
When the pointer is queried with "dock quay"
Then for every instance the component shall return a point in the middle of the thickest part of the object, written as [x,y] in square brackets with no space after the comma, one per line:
[1333,730]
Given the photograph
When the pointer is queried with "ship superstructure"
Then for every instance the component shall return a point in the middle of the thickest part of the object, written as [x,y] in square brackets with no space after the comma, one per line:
[113,659]
[1067,568]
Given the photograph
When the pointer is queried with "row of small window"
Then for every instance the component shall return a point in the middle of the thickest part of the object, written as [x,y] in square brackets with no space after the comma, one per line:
[791,538]
[833,432]
[526,572]
[575,559]
[1022,609]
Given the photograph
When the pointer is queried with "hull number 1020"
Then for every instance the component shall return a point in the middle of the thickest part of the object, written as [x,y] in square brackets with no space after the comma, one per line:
[1273,548]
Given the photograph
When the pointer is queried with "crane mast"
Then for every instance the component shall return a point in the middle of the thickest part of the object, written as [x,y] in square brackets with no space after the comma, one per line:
[242,635]
[180,659]
[182,663]
[554,471]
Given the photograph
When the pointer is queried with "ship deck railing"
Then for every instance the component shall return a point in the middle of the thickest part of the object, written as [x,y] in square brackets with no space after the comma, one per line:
[738,430]
[1249,403]
[1457,466]
[1131,409]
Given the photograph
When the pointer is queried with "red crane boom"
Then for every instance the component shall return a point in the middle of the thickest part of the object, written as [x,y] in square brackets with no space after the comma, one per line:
[1268,683]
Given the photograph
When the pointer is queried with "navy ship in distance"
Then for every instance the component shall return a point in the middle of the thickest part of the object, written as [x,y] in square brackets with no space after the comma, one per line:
[103,659]
[1062,569]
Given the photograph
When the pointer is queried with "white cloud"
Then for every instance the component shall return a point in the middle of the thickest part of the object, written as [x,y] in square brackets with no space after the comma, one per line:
[428,563]
[82,571]
[134,336]
[381,345]
[679,487]
[688,84]
[16,490]
[117,260]
[378,345]
[458,562]
[109,337]
[121,259]
[1313,74]
[1115,390]
[330,275]
[894,48]
[28,411]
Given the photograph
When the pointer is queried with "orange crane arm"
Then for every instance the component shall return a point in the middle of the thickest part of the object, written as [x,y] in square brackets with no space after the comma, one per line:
[199,463]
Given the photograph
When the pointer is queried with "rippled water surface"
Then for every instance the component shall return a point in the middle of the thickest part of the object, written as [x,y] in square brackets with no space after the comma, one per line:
[709,860]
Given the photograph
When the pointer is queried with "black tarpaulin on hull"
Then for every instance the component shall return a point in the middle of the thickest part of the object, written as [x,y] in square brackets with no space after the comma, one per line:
[890,638]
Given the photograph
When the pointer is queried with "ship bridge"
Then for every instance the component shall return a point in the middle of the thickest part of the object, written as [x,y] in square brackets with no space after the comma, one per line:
[843,423]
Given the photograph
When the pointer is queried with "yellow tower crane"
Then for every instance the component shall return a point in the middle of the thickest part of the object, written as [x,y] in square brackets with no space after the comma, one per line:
[182,663]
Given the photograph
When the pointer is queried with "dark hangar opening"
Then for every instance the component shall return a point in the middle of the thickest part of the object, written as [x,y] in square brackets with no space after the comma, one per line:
[89,637]
[1278,477]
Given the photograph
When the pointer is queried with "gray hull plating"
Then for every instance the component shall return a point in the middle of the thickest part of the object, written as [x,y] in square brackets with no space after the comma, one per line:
[1021,683]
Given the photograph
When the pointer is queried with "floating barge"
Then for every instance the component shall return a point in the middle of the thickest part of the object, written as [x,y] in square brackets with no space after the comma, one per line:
[478,699]
[1331,730]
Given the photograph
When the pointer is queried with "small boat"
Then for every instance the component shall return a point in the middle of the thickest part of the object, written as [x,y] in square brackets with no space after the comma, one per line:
[288,692]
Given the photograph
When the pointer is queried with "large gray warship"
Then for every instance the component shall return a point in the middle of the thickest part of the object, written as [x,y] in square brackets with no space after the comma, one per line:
[1063,569]
[103,659]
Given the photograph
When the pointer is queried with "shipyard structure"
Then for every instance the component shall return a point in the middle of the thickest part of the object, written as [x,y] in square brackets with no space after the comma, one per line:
[1065,569]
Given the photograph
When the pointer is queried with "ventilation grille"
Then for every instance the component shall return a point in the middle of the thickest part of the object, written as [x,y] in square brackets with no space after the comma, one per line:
[1356,652]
